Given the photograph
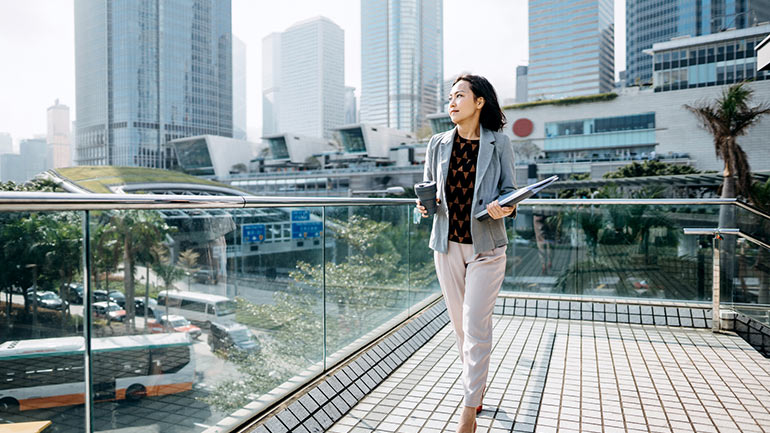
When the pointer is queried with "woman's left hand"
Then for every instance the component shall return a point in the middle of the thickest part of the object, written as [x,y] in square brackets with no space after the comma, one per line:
[496,211]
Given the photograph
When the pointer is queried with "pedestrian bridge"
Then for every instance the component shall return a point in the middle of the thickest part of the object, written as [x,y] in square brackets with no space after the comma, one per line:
[615,315]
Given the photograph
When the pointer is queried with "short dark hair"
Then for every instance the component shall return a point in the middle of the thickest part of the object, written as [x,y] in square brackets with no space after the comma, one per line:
[492,116]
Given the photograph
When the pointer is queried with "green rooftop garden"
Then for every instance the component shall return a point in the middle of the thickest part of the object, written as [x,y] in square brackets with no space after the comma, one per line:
[564,101]
[99,179]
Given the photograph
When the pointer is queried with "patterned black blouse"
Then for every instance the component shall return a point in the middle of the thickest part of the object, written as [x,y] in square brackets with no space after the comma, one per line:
[459,188]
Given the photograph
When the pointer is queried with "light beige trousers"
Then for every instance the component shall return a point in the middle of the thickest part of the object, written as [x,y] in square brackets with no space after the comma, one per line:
[470,284]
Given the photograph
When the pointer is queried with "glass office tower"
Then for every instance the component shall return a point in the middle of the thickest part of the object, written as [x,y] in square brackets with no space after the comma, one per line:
[651,21]
[311,99]
[571,48]
[147,72]
[402,62]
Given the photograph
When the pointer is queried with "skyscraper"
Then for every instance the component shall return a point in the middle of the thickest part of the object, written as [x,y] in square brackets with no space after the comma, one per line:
[571,48]
[239,89]
[351,108]
[402,62]
[312,92]
[651,21]
[6,143]
[271,82]
[521,84]
[58,136]
[147,72]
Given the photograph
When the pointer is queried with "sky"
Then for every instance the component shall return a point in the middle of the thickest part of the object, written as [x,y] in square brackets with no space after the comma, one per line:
[38,64]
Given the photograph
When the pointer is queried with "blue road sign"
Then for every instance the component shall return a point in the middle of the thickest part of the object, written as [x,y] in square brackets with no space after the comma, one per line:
[300,215]
[252,233]
[306,230]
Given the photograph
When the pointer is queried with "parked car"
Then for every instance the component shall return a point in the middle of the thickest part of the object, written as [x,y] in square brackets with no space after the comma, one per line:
[118,298]
[152,307]
[46,299]
[101,296]
[204,276]
[75,293]
[109,311]
[232,336]
[174,323]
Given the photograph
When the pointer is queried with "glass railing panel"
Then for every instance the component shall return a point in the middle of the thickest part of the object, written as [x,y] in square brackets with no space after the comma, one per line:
[629,251]
[227,320]
[753,224]
[749,292]
[367,274]
[41,318]
[423,284]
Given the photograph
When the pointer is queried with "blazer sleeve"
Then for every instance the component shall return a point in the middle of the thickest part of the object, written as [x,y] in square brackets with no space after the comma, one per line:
[507,181]
[429,170]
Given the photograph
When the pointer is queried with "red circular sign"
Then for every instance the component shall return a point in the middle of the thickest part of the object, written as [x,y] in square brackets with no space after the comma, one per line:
[522,127]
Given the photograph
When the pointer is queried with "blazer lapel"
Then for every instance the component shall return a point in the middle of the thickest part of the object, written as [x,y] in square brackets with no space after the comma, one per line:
[486,143]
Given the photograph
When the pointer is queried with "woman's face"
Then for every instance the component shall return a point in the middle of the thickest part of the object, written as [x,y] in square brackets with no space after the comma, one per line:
[462,102]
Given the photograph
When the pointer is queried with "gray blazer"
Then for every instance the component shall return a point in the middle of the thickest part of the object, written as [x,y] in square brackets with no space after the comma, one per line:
[494,177]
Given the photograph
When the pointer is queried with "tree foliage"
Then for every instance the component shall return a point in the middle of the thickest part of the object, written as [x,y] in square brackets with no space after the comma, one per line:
[650,168]
[727,118]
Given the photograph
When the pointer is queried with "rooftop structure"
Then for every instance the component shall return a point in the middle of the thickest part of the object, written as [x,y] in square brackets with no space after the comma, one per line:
[211,155]
[651,21]
[710,60]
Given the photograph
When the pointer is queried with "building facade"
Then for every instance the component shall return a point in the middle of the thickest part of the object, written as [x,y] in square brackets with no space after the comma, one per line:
[651,21]
[312,93]
[6,143]
[351,107]
[599,136]
[31,160]
[239,89]
[58,135]
[571,48]
[521,84]
[710,60]
[271,82]
[147,72]
[402,62]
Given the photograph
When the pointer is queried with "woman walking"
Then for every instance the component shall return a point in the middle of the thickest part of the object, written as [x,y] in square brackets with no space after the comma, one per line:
[472,166]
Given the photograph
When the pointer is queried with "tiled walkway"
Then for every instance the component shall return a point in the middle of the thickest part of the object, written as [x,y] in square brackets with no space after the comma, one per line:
[549,375]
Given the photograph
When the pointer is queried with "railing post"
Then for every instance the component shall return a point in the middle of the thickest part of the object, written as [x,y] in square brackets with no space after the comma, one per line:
[87,322]
[716,291]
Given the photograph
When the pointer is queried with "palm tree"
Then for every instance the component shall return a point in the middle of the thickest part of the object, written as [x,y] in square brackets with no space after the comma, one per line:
[727,118]
[188,260]
[139,231]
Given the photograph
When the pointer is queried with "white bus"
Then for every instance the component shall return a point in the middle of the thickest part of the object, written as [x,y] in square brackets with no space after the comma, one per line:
[202,308]
[49,372]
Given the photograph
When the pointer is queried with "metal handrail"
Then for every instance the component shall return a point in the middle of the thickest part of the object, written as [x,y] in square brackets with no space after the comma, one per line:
[36,201]
[720,231]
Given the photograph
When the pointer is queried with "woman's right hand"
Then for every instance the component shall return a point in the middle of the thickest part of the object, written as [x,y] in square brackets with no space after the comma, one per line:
[422,209]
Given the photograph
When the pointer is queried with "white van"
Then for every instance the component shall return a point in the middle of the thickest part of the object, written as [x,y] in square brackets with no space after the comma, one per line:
[196,307]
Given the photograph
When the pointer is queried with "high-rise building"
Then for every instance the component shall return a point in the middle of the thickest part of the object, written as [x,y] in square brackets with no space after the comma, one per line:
[521,84]
[58,136]
[402,62]
[239,89]
[571,48]
[651,21]
[6,143]
[147,72]
[271,82]
[29,162]
[312,93]
[351,109]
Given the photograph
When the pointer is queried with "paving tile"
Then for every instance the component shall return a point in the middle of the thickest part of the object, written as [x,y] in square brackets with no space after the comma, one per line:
[549,374]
